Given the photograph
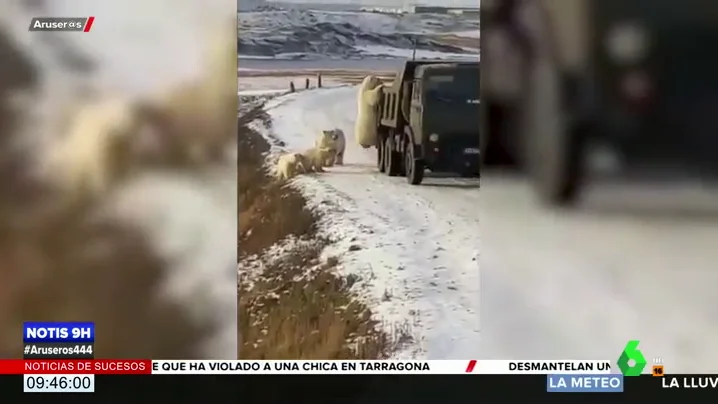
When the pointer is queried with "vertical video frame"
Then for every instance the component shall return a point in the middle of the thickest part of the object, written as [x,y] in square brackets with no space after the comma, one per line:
[358,182]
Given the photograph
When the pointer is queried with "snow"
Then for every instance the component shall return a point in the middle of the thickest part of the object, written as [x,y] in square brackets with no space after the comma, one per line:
[314,34]
[418,256]
[468,34]
[253,93]
[626,266]
[553,286]
[277,85]
[257,57]
[392,3]
[376,50]
[275,65]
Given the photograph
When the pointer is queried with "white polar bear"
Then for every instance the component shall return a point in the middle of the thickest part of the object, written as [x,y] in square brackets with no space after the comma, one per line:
[96,148]
[317,157]
[334,139]
[365,129]
[289,165]
[107,136]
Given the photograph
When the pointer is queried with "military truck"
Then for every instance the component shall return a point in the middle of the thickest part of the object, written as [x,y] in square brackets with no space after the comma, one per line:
[428,119]
[630,77]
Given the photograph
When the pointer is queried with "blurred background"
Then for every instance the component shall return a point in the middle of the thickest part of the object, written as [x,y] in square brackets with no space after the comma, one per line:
[599,206]
[122,108]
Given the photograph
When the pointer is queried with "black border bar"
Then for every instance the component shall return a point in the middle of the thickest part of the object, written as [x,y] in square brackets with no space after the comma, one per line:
[367,389]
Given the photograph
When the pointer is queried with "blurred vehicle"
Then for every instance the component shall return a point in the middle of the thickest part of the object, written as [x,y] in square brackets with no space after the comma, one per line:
[428,120]
[635,78]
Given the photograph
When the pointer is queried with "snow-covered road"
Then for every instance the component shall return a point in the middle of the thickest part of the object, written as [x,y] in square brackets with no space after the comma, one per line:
[633,263]
[415,248]
[575,286]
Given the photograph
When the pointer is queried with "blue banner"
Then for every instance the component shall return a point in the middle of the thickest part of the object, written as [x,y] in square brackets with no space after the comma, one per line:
[58,332]
[584,383]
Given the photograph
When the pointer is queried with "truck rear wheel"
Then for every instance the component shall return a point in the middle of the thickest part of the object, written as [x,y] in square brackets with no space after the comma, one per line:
[391,162]
[555,155]
[380,156]
[413,167]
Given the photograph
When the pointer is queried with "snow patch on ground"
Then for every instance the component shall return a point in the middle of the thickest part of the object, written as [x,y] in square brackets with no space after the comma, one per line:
[468,34]
[253,267]
[256,93]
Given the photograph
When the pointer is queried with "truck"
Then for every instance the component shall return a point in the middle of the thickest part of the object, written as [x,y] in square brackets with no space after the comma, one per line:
[631,79]
[428,119]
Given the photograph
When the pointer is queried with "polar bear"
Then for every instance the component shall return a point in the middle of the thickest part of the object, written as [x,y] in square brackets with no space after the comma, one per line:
[190,122]
[96,148]
[316,158]
[289,165]
[368,98]
[335,139]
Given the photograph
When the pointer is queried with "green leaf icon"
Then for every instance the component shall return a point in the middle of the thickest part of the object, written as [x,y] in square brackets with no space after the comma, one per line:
[631,352]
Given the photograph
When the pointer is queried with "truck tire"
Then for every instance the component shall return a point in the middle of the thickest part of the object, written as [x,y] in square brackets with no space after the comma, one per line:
[380,156]
[554,152]
[483,141]
[391,160]
[413,167]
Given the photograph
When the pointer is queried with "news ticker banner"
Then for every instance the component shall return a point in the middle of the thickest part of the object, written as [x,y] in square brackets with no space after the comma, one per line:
[56,24]
[72,375]
[313,367]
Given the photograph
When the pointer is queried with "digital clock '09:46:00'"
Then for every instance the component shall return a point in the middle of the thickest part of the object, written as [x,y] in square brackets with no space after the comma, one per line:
[59,384]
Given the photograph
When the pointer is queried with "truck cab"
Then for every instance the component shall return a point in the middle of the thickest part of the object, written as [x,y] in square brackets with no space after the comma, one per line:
[429,119]
[633,79]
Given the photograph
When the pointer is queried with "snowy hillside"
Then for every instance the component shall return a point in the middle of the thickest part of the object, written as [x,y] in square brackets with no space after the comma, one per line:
[323,34]
[394,3]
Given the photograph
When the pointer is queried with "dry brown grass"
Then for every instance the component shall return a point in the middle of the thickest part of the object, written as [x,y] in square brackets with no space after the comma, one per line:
[297,307]
[58,265]
[271,210]
[292,314]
